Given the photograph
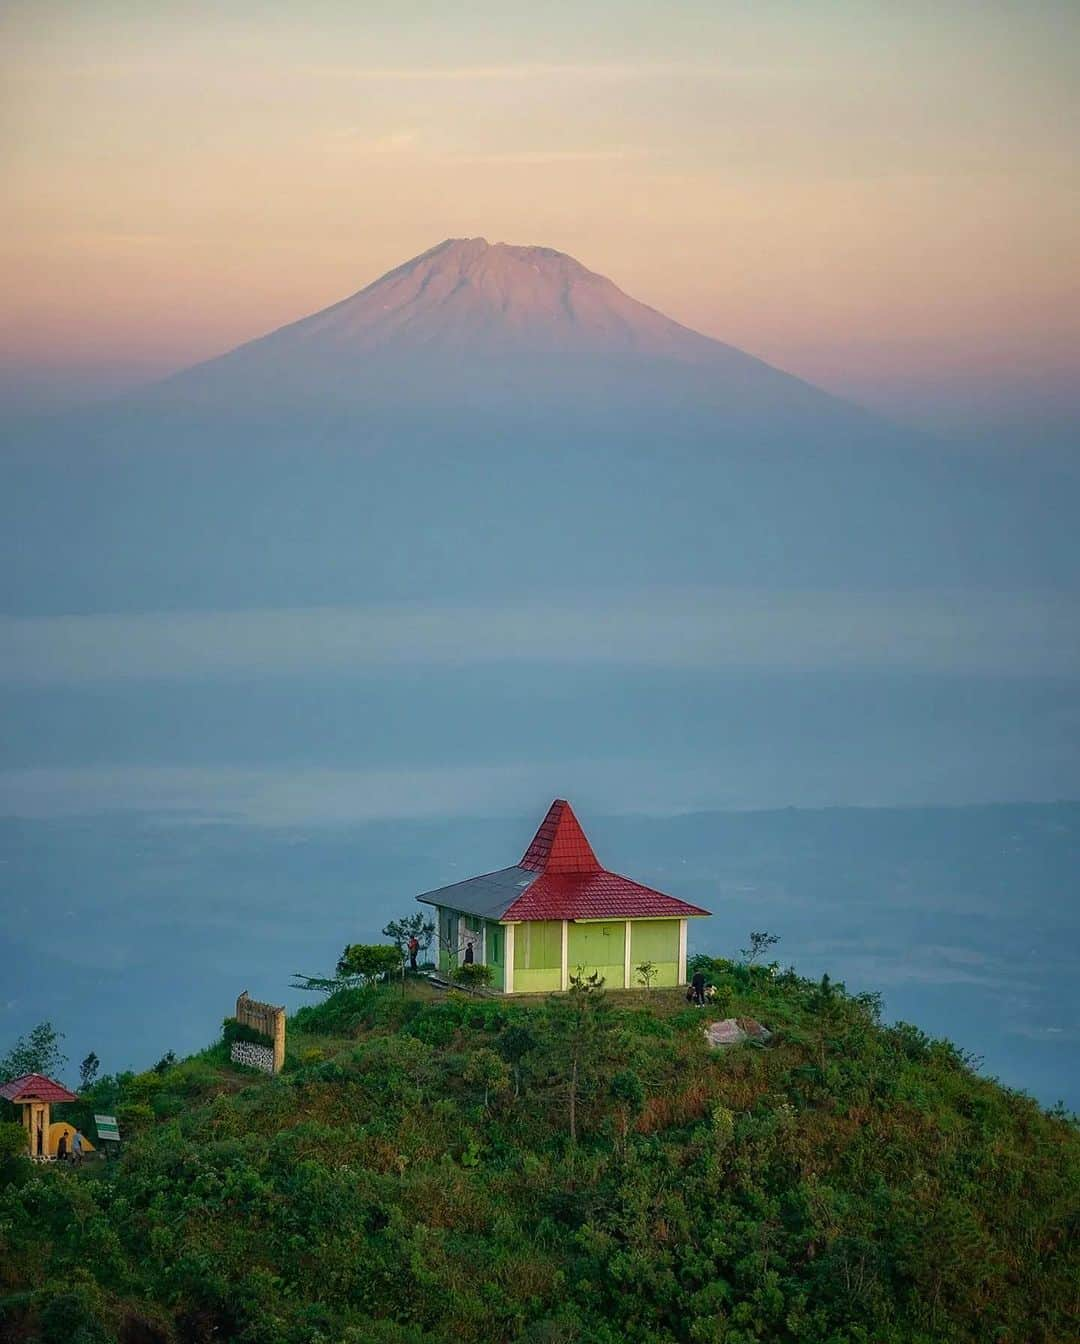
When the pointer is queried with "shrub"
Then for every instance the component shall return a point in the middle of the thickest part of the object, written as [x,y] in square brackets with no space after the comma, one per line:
[369,962]
[234,1030]
[338,1015]
[474,974]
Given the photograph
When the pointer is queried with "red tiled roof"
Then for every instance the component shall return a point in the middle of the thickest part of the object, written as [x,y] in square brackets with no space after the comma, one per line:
[572,885]
[35,1087]
[598,895]
[559,846]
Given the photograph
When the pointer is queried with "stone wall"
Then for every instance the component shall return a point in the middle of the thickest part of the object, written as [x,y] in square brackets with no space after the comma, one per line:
[254,1056]
[267,1018]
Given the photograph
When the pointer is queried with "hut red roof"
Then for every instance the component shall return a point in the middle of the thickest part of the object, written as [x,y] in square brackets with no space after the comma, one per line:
[559,877]
[35,1087]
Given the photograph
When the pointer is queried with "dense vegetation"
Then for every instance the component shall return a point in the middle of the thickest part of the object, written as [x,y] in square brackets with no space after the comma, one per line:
[585,1169]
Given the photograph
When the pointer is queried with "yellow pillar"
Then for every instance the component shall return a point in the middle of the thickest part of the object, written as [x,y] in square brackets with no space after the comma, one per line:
[36,1120]
[627,932]
[508,958]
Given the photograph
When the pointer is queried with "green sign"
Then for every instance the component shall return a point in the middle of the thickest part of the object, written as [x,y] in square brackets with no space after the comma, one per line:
[107,1127]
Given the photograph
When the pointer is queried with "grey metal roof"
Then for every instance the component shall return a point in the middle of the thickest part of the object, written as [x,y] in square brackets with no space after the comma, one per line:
[489,896]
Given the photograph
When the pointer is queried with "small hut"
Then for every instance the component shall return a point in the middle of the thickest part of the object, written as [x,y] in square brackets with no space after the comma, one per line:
[35,1094]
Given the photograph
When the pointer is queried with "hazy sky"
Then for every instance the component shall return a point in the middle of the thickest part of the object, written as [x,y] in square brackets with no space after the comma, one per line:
[880,197]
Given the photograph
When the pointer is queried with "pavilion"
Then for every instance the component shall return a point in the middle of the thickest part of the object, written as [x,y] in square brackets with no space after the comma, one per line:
[35,1094]
[556,910]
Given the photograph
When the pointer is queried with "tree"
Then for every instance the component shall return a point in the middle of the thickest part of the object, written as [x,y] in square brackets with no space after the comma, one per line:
[574,1042]
[36,1052]
[515,1043]
[485,1069]
[628,1092]
[827,1003]
[759,945]
[417,926]
[88,1071]
[646,973]
[368,963]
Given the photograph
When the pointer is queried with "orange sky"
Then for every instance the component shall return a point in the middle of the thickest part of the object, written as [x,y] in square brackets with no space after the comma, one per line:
[882,198]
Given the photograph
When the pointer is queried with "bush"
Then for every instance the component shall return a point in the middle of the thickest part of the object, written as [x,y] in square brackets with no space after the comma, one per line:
[338,1015]
[234,1030]
[73,1318]
[474,974]
[12,1140]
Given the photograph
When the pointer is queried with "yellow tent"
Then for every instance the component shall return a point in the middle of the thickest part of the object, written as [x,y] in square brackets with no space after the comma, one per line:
[61,1128]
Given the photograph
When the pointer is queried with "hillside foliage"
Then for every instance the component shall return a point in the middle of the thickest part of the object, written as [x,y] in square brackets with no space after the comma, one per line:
[583,1170]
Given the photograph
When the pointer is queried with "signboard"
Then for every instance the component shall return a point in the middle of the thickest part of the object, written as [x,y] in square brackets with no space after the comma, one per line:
[107,1127]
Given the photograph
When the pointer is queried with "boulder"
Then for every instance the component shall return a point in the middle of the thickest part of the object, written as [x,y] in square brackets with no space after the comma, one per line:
[735,1030]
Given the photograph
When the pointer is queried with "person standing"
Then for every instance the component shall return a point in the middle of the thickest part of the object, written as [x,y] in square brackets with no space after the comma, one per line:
[77,1149]
[698,986]
[414,948]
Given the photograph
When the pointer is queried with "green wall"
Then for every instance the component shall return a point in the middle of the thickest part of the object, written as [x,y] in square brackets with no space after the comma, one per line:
[655,940]
[537,956]
[495,942]
[598,947]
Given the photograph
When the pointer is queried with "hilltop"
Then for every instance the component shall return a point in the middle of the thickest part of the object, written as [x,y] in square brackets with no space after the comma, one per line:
[411,1176]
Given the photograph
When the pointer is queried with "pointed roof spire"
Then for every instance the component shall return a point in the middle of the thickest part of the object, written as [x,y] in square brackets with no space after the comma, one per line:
[559,846]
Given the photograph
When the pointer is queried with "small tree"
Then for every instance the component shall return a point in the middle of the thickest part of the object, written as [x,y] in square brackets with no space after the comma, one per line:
[485,1069]
[417,926]
[36,1052]
[646,973]
[759,945]
[515,1043]
[167,1060]
[574,1042]
[368,963]
[628,1092]
[88,1072]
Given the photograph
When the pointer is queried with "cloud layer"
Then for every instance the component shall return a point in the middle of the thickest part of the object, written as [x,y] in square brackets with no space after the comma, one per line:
[962,632]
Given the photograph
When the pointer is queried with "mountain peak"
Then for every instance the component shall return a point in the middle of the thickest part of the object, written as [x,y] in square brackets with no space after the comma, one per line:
[468,294]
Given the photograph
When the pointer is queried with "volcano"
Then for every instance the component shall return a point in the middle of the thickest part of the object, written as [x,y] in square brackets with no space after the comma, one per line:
[476,323]
[493,419]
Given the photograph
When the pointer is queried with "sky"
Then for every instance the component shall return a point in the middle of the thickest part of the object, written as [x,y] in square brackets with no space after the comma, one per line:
[880,198]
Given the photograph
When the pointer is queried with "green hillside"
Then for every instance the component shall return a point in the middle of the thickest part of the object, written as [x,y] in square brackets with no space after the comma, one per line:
[453,1168]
